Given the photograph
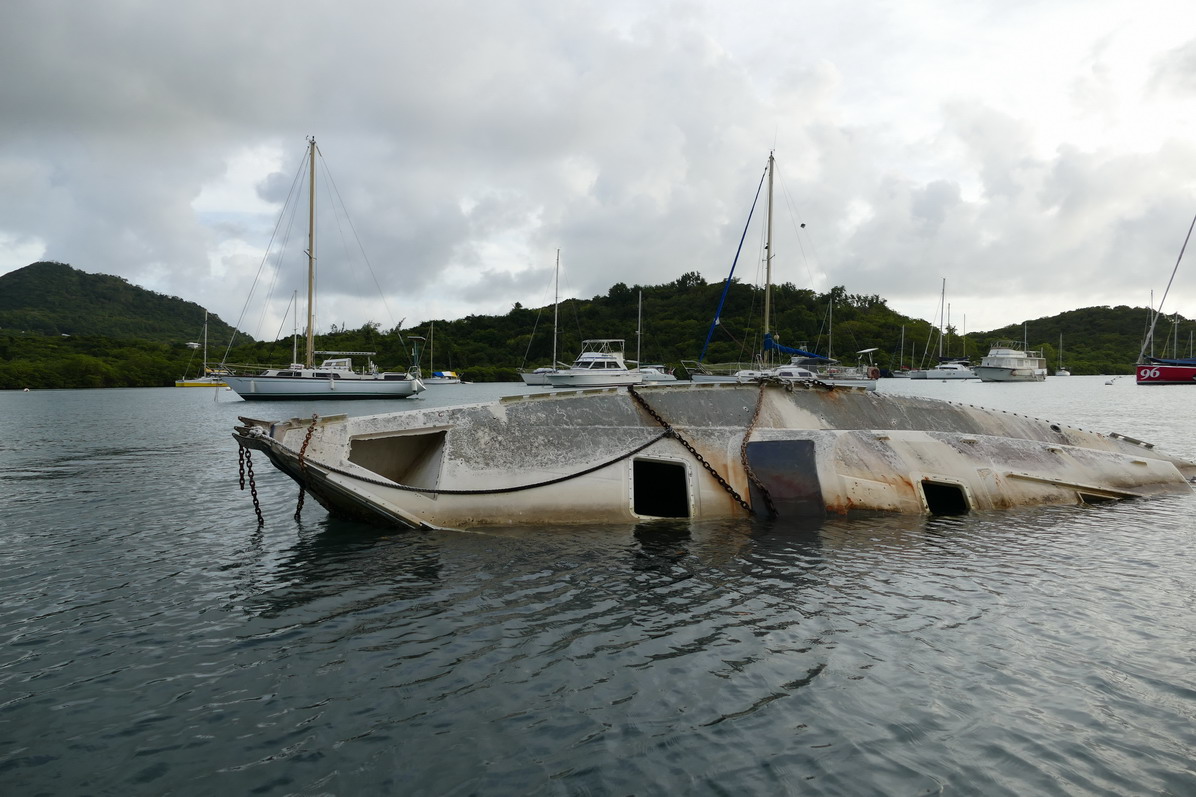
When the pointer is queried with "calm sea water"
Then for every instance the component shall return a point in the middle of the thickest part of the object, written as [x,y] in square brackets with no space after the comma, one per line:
[156,641]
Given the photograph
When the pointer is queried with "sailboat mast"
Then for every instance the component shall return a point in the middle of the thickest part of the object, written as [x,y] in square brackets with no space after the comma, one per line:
[942,305]
[639,329]
[294,311]
[556,304]
[768,261]
[309,360]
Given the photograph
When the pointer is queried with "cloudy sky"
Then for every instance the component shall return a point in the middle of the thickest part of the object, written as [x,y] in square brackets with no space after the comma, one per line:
[1039,156]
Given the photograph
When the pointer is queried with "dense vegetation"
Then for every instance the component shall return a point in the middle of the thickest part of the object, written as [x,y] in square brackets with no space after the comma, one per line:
[62,328]
[54,299]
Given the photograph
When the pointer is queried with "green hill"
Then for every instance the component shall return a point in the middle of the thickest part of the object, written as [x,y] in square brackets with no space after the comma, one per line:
[54,299]
[62,328]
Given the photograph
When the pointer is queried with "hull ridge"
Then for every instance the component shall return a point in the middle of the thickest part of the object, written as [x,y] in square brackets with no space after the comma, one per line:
[700,451]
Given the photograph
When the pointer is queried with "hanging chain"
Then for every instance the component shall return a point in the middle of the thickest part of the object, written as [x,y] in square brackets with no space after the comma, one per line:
[701,459]
[245,466]
[303,465]
[743,457]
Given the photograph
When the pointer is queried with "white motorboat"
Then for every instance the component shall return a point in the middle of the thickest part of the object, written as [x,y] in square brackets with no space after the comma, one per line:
[656,373]
[600,364]
[538,377]
[1009,361]
[685,450]
[952,369]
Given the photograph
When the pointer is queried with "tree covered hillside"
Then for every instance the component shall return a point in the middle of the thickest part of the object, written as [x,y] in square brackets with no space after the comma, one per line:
[62,328]
[54,299]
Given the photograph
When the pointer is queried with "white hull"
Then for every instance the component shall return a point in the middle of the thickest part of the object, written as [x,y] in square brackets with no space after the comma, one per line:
[202,381]
[591,379]
[994,374]
[942,376]
[538,379]
[263,388]
[811,451]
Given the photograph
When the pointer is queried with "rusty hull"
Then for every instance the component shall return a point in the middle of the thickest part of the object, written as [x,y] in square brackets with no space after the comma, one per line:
[578,456]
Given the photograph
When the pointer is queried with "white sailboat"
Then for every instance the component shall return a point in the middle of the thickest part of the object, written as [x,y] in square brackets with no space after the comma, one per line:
[208,377]
[653,372]
[437,377]
[948,368]
[335,377]
[539,376]
[1059,369]
[801,363]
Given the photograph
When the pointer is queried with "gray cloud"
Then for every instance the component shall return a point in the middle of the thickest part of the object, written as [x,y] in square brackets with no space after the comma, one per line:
[469,141]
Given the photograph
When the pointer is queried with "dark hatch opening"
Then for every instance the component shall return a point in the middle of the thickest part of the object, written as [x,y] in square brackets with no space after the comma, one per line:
[945,499]
[659,489]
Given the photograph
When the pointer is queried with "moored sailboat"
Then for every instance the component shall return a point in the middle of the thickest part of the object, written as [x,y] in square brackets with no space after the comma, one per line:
[335,376]
[1176,370]
[538,377]
[801,363]
[209,376]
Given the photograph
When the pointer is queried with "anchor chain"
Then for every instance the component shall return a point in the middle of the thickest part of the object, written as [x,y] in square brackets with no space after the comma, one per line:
[743,457]
[303,465]
[245,465]
[673,433]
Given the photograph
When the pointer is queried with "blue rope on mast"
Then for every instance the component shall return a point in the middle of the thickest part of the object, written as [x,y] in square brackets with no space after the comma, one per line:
[727,285]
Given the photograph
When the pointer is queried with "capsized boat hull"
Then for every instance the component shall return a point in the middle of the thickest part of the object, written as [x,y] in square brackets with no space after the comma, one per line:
[606,456]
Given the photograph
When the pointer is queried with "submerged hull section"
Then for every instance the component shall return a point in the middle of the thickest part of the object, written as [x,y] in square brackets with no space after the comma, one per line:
[727,451]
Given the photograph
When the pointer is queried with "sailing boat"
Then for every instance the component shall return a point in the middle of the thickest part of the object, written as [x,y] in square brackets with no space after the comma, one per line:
[209,377]
[437,377]
[539,377]
[900,372]
[948,367]
[1158,370]
[334,377]
[1059,369]
[802,365]
[651,373]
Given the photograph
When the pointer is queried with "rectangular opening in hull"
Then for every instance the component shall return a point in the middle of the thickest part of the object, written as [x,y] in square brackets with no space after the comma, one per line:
[659,489]
[412,459]
[944,499]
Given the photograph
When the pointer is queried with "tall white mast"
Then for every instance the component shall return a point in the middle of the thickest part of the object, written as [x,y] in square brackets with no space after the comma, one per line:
[942,305]
[768,263]
[639,329]
[309,359]
[556,304]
